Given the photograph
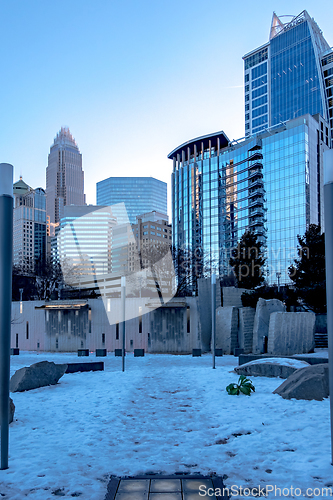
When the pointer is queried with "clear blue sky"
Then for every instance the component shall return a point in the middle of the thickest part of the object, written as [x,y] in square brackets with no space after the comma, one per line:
[131,79]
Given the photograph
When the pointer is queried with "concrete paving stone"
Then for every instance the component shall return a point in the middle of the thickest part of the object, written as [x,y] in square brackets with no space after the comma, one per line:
[165,496]
[194,484]
[132,495]
[195,496]
[165,485]
[137,485]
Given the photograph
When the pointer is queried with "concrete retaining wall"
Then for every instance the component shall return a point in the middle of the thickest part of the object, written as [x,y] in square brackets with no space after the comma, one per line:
[291,333]
[175,328]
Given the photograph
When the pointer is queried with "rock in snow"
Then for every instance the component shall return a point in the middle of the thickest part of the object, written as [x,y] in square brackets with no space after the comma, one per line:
[36,375]
[307,383]
[271,367]
[11,410]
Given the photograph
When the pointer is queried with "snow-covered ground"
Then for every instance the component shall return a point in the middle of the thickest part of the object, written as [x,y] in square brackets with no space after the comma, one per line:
[164,414]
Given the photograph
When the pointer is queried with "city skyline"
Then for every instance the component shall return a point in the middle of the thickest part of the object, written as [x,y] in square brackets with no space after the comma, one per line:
[116,87]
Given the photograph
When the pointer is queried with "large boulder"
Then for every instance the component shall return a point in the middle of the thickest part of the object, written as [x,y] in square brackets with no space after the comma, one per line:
[307,383]
[11,410]
[264,310]
[271,367]
[37,375]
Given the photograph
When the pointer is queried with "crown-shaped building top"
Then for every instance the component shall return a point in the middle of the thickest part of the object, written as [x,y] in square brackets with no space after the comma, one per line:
[64,137]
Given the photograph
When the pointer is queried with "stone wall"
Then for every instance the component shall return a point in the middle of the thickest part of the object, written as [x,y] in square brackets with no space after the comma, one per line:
[291,333]
[227,329]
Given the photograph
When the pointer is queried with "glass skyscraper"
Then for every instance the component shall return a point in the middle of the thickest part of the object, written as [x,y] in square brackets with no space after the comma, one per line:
[139,194]
[270,183]
[289,76]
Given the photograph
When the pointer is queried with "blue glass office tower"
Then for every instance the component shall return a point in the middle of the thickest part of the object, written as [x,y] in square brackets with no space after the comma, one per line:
[270,183]
[139,194]
[285,78]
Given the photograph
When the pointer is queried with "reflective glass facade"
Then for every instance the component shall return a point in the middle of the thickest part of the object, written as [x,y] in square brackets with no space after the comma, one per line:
[140,195]
[295,78]
[84,239]
[270,184]
[284,78]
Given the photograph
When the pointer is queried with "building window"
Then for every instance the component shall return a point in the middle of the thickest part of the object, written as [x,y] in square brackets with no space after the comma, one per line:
[16,341]
[117,331]
[27,330]
[131,342]
[188,321]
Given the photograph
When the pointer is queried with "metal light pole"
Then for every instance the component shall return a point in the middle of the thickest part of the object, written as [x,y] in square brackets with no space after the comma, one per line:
[123,297]
[213,294]
[278,275]
[328,209]
[6,261]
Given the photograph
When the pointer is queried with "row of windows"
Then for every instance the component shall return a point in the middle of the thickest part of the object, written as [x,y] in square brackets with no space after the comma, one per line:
[260,81]
[259,92]
[259,111]
[327,60]
[257,58]
[259,121]
[259,102]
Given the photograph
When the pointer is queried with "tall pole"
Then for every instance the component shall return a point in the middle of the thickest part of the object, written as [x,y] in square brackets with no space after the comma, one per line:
[6,261]
[328,210]
[123,298]
[213,284]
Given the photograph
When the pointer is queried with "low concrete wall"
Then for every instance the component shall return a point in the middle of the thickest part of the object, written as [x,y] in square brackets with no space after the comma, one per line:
[291,333]
[175,328]
[227,329]
[261,321]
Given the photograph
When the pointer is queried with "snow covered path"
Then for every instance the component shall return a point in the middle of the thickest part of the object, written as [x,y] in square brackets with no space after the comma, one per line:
[164,414]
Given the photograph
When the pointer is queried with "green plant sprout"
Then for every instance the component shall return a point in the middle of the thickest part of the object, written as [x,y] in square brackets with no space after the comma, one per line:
[244,386]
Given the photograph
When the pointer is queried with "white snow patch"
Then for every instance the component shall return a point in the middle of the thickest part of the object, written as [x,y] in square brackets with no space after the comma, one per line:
[164,414]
